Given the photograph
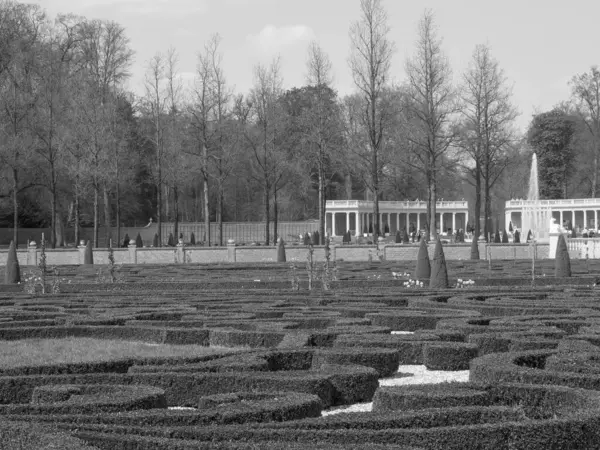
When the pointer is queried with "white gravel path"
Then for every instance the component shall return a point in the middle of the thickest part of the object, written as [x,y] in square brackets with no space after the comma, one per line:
[420,375]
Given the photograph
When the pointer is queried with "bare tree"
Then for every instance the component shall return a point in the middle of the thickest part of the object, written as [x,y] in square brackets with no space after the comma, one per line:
[370,60]
[107,58]
[487,129]
[430,107]
[321,124]
[208,112]
[585,90]
[57,61]
[155,108]
[21,36]
[265,135]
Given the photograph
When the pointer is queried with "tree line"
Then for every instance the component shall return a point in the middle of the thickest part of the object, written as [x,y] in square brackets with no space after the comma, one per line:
[77,148]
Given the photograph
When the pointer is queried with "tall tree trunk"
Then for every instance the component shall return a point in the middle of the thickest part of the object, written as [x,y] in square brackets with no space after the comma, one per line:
[206,198]
[375,179]
[321,205]
[477,225]
[96,213]
[595,177]
[107,216]
[77,212]
[53,206]
[118,208]
[348,185]
[275,214]
[267,212]
[15,201]
[220,211]
[176,212]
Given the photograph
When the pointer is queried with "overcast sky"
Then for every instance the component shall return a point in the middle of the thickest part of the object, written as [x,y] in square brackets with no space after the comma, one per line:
[540,44]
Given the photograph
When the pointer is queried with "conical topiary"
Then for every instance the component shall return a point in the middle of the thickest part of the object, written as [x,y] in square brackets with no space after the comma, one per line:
[562,264]
[439,272]
[404,236]
[529,236]
[138,241]
[306,239]
[126,241]
[349,238]
[505,237]
[280,250]
[475,248]
[155,240]
[12,271]
[510,227]
[398,237]
[171,241]
[573,233]
[88,253]
[497,239]
[423,269]
[517,237]
[192,239]
[315,238]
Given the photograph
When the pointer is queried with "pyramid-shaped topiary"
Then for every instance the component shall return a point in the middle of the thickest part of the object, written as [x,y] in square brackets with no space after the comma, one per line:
[475,248]
[315,238]
[505,237]
[138,241]
[280,250]
[562,263]
[306,239]
[423,269]
[88,253]
[12,271]
[497,239]
[126,241]
[573,233]
[192,239]
[171,241]
[439,272]
[398,237]
[517,237]
[510,227]
[529,236]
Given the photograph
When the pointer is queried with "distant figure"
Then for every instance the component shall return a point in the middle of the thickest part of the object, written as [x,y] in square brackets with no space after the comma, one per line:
[149,223]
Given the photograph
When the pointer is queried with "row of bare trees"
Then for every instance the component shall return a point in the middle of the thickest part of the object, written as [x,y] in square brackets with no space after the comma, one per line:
[69,129]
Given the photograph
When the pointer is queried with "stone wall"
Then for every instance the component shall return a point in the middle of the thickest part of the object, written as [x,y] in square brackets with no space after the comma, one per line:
[247,254]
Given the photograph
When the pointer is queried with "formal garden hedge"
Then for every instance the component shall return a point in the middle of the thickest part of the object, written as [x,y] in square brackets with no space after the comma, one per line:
[223,361]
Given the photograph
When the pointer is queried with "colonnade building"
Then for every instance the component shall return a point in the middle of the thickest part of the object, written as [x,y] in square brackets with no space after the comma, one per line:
[357,216]
[579,213]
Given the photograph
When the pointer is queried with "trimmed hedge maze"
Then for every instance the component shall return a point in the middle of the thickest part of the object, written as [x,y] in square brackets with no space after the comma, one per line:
[230,364]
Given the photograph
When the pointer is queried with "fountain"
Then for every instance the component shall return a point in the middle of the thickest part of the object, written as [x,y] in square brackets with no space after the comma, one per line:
[535,216]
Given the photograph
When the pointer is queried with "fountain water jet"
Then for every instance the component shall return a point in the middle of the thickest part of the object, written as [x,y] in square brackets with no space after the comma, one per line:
[534,216]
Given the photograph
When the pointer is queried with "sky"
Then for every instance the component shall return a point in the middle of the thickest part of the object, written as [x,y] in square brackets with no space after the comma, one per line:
[540,44]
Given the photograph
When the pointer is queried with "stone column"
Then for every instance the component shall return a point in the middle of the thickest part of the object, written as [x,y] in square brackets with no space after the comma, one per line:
[573,218]
[418,222]
[347,222]
[507,220]
[357,230]
[230,250]
[132,252]
[584,218]
[81,249]
[407,222]
[32,254]
[453,222]
[332,224]
[595,219]
[561,218]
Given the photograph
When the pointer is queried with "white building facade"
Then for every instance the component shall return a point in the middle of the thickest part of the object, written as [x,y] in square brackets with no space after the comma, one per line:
[580,213]
[357,216]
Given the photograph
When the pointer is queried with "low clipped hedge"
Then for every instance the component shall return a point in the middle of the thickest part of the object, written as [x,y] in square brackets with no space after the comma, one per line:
[520,417]
[409,347]
[144,334]
[449,355]
[236,338]
[421,396]
[25,435]
[385,361]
